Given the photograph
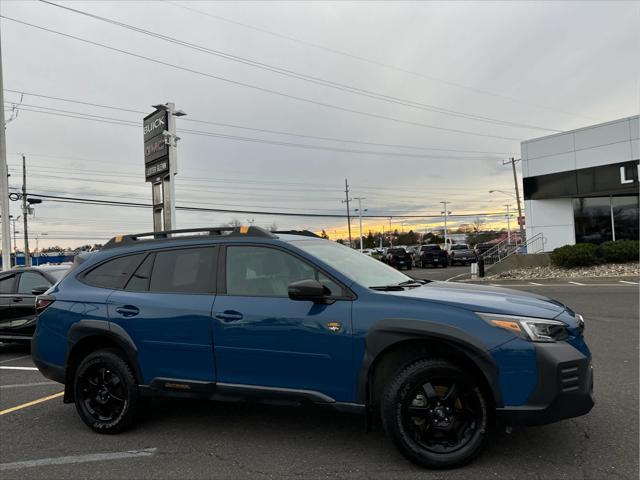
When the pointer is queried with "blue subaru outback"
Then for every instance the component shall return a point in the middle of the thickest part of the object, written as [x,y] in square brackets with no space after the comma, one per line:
[243,313]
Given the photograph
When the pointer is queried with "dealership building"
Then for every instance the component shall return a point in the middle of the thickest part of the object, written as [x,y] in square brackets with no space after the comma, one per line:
[582,185]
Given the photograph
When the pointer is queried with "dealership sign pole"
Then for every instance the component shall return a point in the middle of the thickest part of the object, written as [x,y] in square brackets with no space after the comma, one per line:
[160,162]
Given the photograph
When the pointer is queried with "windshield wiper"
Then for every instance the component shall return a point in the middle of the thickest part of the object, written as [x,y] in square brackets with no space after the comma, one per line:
[400,286]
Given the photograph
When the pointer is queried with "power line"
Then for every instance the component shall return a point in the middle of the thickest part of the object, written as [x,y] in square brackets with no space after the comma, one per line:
[123,122]
[305,77]
[90,201]
[263,130]
[261,89]
[381,64]
[262,184]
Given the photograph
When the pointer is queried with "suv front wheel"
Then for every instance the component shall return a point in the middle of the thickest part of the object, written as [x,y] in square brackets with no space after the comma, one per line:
[436,414]
[106,392]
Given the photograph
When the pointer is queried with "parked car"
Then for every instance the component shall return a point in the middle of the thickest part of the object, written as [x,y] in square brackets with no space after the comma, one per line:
[461,253]
[398,257]
[480,248]
[18,290]
[247,313]
[430,255]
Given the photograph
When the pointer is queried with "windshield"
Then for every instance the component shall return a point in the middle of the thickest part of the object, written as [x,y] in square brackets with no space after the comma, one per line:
[430,248]
[460,247]
[396,250]
[363,269]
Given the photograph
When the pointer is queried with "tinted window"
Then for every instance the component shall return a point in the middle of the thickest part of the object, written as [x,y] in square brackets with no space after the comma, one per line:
[139,281]
[267,272]
[113,273]
[30,280]
[430,248]
[396,251]
[189,270]
[592,219]
[6,284]
[460,247]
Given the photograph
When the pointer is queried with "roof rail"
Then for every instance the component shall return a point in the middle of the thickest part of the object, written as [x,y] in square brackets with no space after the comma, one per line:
[304,233]
[133,239]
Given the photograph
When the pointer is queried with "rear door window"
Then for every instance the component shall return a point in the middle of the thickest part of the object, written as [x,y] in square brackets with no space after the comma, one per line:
[30,280]
[139,281]
[187,270]
[7,283]
[114,273]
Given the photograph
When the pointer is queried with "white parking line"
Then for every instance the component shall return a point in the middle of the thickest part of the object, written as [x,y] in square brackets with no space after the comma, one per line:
[577,283]
[14,359]
[18,368]
[93,457]
[629,283]
[22,385]
[534,283]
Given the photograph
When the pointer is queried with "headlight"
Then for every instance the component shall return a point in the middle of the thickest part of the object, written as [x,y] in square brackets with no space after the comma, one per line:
[532,329]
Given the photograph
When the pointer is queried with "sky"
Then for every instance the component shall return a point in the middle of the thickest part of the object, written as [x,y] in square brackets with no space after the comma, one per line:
[414,103]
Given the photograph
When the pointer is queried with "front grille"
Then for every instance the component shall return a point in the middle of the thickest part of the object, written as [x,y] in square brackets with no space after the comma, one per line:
[569,378]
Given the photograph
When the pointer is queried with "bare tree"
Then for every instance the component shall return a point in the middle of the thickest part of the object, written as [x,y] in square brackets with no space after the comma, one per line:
[235,223]
[273,227]
[478,224]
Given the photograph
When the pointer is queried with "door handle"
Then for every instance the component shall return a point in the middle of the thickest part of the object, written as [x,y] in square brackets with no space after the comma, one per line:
[128,310]
[229,316]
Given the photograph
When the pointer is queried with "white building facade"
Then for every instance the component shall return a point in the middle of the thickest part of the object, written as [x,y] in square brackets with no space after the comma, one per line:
[581,186]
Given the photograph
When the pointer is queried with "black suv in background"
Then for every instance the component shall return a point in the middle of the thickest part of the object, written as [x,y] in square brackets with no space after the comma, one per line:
[398,257]
[18,290]
[431,255]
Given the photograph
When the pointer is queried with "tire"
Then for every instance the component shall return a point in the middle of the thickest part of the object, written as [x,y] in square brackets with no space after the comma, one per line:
[106,392]
[425,438]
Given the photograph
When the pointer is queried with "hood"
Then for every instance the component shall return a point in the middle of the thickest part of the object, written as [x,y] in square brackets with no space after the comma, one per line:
[481,298]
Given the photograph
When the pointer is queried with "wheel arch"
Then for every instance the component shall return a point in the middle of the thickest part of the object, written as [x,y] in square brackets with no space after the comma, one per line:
[394,343]
[88,336]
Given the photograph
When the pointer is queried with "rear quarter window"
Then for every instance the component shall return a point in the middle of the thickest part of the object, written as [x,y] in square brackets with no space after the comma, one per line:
[113,273]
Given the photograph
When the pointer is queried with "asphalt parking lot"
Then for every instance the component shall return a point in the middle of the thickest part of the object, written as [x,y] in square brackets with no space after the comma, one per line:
[188,439]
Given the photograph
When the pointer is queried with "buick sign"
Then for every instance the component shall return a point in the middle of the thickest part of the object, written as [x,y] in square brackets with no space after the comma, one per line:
[155,124]
[156,150]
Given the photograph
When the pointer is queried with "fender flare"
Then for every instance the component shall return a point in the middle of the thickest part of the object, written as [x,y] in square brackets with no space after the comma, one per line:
[390,331]
[103,329]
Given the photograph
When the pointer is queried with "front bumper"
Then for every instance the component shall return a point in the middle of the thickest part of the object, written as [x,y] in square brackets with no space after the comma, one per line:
[564,389]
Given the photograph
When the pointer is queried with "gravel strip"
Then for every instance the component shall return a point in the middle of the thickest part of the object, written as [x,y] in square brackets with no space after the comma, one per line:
[607,270]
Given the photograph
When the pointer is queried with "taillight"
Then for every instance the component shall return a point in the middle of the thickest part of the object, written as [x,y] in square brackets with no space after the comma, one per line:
[43,301]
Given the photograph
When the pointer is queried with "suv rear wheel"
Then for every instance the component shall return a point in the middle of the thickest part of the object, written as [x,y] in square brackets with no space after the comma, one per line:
[106,392]
[436,414]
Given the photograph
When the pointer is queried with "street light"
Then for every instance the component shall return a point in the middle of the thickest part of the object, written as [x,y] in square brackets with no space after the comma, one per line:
[503,192]
[38,235]
[360,210]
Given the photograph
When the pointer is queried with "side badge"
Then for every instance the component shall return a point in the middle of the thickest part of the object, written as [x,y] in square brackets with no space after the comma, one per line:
[334,326]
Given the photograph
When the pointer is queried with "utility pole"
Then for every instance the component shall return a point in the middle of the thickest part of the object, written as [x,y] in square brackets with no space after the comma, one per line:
[15,241]
[359,199]
[390,234]
[25,213]
[515,180]
[4,182]
[508,223]
[347,200]
[446,213]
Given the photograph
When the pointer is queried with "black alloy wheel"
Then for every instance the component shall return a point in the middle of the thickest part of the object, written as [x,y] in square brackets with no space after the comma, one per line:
[106,393]
[436,414]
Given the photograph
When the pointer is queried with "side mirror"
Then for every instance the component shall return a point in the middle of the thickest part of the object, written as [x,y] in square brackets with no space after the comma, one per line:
[308,290]
[39,290]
